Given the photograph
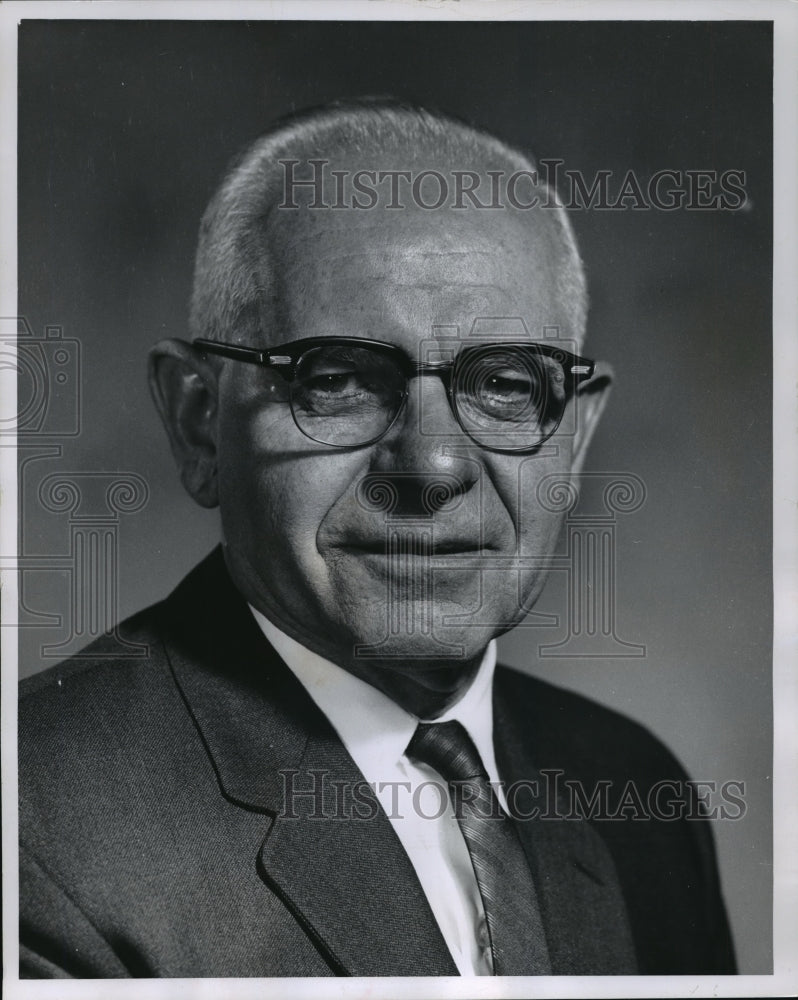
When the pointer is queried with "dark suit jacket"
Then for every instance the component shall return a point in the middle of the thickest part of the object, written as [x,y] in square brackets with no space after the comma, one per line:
[154,840]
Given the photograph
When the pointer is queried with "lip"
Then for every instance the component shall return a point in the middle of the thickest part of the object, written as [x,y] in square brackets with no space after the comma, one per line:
[442,547]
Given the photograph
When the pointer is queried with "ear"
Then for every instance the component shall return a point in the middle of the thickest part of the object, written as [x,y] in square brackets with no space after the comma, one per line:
[591,398]
[184,388]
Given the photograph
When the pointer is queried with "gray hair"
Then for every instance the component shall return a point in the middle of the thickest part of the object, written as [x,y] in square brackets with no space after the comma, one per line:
[235,288]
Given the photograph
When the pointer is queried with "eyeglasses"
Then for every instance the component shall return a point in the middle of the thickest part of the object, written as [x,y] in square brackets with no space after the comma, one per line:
[347,392]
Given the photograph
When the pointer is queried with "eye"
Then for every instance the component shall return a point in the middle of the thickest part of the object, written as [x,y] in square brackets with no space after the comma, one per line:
[339,381]
[507,385]
[335,382]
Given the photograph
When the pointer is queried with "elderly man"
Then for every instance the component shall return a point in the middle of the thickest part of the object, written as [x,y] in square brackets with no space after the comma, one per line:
[318,770]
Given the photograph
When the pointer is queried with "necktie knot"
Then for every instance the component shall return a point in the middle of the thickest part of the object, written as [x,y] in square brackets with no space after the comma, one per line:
[447,747]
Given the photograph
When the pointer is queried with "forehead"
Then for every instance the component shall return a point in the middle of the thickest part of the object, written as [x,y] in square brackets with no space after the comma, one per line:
[394,275]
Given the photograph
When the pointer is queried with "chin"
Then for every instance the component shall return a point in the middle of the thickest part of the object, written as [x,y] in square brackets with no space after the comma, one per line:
[416,630]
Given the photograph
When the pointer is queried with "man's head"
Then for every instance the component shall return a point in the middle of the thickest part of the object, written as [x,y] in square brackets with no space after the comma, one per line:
[398,556]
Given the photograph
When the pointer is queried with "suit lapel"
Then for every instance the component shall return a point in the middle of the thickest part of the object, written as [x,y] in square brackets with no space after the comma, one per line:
[348,876]
[334,860]
[582,907]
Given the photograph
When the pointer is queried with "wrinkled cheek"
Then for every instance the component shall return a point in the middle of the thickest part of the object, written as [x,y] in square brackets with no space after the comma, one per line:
[538,536]
[537,493]
[545,498]
[292,499]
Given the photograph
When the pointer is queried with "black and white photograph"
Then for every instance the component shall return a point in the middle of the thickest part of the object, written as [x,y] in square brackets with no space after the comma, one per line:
[388,560]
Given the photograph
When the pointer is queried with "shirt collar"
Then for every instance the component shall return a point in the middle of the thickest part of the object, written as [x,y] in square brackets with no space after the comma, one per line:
[373,728]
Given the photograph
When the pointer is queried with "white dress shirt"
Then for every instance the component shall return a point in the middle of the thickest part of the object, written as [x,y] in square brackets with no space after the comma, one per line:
[376,732]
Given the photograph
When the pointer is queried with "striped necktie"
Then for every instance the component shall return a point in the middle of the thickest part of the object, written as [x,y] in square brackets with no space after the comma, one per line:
[517,940]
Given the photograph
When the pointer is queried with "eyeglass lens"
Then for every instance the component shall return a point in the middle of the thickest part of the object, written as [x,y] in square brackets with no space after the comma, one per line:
[509,399]
[503,398]
[344,395]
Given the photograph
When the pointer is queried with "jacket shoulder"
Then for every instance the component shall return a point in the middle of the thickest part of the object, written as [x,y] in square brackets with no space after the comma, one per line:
[81,709]
[141,631]
[105,665]
[572,731]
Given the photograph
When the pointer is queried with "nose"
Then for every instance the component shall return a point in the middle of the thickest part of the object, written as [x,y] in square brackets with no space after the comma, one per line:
[426,462]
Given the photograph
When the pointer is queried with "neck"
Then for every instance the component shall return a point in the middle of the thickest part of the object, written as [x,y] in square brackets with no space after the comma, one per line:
[424,688]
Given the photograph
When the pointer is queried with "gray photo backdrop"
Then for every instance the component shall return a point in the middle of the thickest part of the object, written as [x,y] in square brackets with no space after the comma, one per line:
[124,128]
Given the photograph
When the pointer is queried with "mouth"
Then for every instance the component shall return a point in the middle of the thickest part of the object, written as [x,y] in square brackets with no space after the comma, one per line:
[407,544]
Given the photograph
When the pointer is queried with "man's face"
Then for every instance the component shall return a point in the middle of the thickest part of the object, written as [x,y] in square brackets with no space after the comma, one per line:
[300,541]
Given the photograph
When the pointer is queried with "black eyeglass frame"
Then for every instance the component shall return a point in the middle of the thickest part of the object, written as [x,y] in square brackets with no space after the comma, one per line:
[285,359]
